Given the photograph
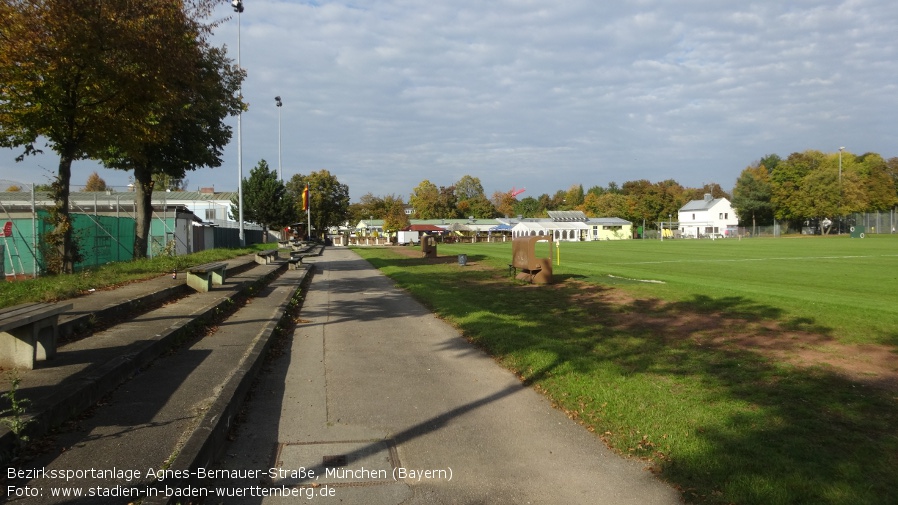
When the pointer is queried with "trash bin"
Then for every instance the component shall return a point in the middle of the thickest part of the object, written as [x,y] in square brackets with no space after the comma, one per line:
[462,259]
[857,231]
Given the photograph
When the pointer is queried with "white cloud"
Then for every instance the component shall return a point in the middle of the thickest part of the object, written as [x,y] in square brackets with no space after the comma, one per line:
[528,94]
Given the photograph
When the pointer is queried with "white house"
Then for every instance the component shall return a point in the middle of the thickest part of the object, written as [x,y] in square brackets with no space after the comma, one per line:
[708,217]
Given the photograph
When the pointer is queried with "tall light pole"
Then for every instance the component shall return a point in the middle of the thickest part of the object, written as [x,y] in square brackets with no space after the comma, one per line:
[277,101]
[238,8]
[840,189]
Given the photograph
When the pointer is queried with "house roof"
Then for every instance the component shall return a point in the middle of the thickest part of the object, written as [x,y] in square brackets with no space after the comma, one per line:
[704,204]
[424,227]
[567,215]
[608,221]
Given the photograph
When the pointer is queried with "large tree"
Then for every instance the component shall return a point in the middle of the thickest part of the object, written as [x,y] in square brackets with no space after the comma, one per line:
[196,134]
[88,77]
[472,201]
[504,202]
[529,207]
[368,207]
[425,199]
[328,199]
[880,187]
[395,217]
[751,196]
[573,197]
[605,205]
[786,182]
[265,200]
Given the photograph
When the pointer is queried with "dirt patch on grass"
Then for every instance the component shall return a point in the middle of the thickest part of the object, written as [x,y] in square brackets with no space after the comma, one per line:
[789,342]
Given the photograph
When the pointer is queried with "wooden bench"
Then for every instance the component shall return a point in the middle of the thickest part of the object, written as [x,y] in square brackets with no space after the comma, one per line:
[266,257]
[28,333]
[202,277]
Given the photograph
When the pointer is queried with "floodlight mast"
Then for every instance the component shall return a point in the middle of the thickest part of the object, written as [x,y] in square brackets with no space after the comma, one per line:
[238,8]
[278,103]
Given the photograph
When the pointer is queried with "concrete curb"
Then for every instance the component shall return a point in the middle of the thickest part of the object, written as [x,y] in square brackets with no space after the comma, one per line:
[84,393]
[208,440]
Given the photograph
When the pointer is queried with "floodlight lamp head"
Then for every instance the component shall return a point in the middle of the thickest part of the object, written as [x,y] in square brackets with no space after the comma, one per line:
[841,148]
[237,5]
[277,101]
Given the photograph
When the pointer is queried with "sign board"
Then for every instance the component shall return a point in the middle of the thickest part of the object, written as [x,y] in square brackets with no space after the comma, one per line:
[7,229]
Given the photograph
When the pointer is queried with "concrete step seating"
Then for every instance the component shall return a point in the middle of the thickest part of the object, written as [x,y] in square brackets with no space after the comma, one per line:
[175,389]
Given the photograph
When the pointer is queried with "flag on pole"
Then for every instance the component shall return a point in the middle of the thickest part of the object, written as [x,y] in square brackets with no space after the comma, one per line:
[305,198]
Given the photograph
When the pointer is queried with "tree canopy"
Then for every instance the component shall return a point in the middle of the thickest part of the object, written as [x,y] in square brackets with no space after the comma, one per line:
[328,199]
[91,78]
[265,200]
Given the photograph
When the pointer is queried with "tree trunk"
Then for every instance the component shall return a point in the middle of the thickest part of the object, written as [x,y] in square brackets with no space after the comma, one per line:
[143,186]
[63,224]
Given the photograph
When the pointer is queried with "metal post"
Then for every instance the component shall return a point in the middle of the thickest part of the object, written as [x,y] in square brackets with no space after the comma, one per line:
[33,235]
[238,7]
[840,190]
[278,102]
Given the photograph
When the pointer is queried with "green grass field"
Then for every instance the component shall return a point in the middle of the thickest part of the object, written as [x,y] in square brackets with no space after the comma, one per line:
[723,424]
[846,287]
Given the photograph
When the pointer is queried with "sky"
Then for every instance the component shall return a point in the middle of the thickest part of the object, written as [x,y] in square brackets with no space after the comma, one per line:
[544,95]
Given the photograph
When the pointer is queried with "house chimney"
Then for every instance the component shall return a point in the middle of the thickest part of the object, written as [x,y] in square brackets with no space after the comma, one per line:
[708,197]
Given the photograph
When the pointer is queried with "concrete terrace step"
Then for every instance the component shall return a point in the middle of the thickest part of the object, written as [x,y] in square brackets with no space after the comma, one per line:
[102,308]
[86,370]
[176,410]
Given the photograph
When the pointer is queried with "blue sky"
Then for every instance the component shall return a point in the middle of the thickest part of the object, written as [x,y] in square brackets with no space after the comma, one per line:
[543,95]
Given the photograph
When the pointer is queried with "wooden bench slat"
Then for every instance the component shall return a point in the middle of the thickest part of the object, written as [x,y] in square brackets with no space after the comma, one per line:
[201,277]
[28,333]
[208,267]
[21,315]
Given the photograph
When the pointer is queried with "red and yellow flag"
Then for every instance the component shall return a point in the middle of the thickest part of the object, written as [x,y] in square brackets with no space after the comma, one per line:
[305,198]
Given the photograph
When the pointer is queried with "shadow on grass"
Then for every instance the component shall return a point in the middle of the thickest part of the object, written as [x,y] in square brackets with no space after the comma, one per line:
[725,424]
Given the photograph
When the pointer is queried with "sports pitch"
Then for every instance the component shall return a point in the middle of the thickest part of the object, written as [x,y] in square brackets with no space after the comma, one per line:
[847,288]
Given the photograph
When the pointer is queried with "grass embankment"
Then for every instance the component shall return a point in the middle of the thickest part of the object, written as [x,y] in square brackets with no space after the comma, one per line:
[59,287]
[724,424]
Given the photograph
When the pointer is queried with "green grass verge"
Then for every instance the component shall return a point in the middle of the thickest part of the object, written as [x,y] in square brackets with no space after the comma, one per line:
[59,287]
[723,425]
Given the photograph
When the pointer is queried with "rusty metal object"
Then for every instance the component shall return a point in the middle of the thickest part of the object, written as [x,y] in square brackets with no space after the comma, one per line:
[524,260]
[428,246]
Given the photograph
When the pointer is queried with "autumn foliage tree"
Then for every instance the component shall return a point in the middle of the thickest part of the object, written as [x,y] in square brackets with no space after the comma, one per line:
[93,78]
[95,183]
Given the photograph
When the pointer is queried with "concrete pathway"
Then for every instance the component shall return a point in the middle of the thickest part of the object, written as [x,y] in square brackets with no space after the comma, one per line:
[379,402]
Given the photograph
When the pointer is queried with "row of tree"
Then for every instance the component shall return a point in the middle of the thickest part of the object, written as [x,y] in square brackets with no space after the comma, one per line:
[135,85]
[634,201]
[815,185]
[806,185]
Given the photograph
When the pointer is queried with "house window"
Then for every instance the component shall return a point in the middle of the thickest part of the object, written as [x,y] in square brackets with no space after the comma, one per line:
[210,214]
[726,215]
[721,216]
[693,217]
